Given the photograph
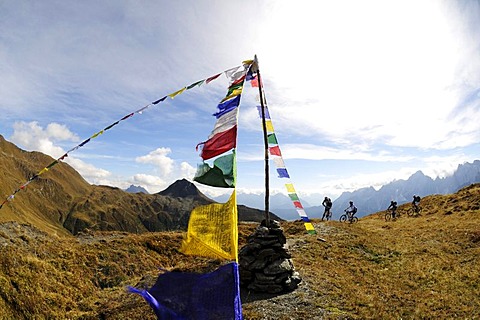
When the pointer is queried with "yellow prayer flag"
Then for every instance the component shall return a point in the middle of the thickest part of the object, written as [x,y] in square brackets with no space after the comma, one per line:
[213,231]
[290,188]
[309,227]
[43,171]
[176,93]
[269,125]
[232,95]
[96,134]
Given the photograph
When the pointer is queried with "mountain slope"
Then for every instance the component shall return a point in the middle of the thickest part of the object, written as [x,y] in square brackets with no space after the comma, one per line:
[45,202]
[412,268]
[61,201]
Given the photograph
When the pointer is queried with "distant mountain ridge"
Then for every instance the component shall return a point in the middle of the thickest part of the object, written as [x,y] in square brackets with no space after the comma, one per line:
[61,201]
[369,200]
[136,189]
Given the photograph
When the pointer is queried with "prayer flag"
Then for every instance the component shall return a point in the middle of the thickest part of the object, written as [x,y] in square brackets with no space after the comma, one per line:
[213,78]
[84,143]
[297,204]
[176,93]
[269,126]
[221,175]
[219,143]
[279,163]
[160,100]
[96,134]
[127,116]
[254,82]
[275,151]
[282,173]
[272,138]
[188,295]
[302,213]
[293,196]
[290,188]
[198,83]
[236,74]
[310,228]
[110,126]
[225,122]
[52,164]
[267,114]
[233,94]
[213,231]
[227,106]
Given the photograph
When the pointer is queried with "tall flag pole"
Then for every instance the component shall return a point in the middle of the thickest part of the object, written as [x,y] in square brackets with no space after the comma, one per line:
[265,141]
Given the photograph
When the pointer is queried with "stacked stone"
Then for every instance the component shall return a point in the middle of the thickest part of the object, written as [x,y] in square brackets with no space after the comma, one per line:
[265,265]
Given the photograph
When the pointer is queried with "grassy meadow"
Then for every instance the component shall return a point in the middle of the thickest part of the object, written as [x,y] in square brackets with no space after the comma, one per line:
[411,268]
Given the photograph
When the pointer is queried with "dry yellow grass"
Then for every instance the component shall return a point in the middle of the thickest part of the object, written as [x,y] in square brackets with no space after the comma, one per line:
[411,268]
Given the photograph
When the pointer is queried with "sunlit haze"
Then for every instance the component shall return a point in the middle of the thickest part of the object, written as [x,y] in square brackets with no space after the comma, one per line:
[361,93]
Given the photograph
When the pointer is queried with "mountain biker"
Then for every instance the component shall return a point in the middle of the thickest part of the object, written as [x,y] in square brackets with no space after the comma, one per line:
[327,203]
[351,210]
[393,208]
[415,202]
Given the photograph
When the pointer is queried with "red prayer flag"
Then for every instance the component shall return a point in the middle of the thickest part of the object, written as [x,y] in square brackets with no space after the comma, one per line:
[297,204]
[275,151]
[254,82]
[212,78]
[219,143]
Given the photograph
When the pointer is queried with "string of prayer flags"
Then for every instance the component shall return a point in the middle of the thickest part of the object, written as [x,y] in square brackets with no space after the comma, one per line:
[188,295]
[213,231]
[224,135]
[276,153]
[233,74]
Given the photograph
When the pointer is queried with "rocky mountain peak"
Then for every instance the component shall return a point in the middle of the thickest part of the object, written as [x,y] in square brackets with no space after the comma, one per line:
[183,189]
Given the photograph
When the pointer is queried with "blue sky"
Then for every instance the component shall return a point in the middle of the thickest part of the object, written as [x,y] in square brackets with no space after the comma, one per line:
[360,92]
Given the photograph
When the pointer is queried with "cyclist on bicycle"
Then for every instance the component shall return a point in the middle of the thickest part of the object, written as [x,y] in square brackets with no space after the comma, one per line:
[351,210]
[393,208]
[415,202]
[327,203]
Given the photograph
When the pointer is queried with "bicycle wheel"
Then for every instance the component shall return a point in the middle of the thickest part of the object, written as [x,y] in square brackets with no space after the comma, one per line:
[388,216]
[343,218]
[354,220]
[410,212]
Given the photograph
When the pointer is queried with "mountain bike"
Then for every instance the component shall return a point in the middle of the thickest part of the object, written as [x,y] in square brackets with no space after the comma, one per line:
[328,215]
[389,215]
[348,217]
[414,211]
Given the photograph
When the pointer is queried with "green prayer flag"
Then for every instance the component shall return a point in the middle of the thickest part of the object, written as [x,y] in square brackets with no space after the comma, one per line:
[293,196]
[222,174]
[272,139]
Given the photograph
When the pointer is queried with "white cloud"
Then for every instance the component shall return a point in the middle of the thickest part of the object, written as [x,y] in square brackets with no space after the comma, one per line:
[159,158]
[32,136]
[89,172]
[152,184]
[361,82]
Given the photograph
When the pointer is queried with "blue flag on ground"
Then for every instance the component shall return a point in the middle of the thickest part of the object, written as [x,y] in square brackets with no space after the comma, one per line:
[188,295]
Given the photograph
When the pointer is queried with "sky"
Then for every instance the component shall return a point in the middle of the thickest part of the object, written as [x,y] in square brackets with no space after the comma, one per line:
[361,93]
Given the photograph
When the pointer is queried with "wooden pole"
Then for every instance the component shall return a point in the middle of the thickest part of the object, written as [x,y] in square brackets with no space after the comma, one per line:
[265,141]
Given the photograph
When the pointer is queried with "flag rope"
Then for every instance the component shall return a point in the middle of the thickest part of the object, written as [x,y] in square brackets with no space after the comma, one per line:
[139,111]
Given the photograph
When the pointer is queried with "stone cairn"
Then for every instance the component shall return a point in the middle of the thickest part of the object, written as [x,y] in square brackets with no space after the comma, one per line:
[265,265]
